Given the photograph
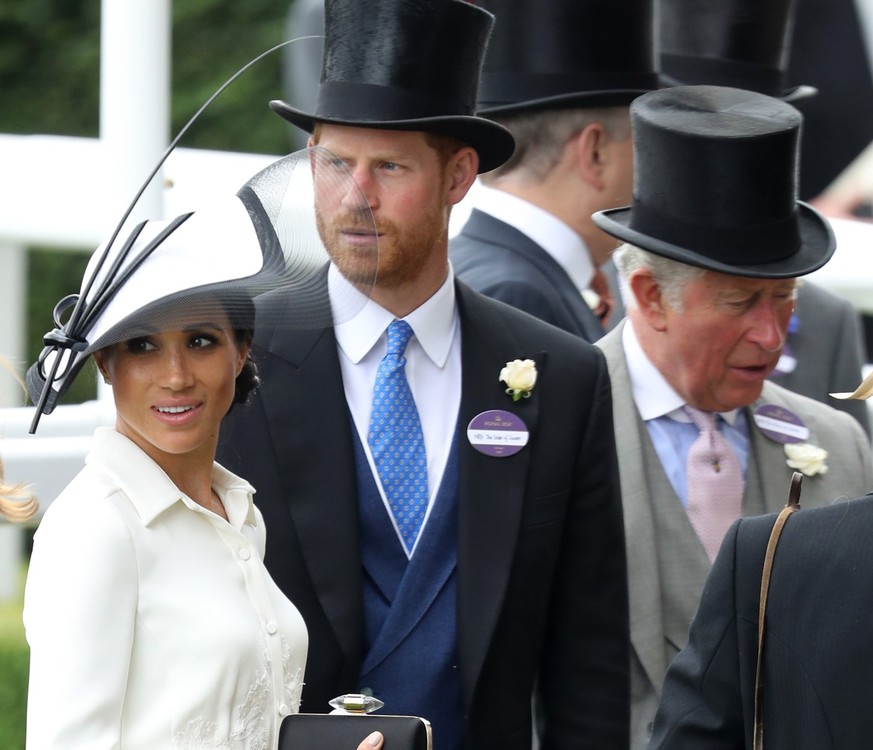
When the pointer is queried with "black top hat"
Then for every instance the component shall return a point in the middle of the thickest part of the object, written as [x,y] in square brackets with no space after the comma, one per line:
[739,43]
[552,54]
[406,65]
[715,184]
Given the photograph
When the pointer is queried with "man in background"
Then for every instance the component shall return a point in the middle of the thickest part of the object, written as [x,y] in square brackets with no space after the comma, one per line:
[559,76]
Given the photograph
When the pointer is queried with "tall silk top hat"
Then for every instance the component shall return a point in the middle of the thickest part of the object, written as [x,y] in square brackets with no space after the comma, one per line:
[405,65]
[715,184]
[567,53]
[277,235]
[740,43]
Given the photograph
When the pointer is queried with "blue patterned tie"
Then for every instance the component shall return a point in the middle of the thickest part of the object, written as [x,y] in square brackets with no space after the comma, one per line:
[396,440]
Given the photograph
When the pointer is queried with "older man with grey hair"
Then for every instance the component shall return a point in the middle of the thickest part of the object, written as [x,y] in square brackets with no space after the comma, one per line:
[715,242]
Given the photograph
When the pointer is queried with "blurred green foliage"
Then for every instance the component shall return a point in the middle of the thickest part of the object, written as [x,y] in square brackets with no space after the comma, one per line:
[13,672]
[50,70]
[13,693]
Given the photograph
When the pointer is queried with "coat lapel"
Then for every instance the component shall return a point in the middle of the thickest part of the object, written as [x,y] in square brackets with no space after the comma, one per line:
[302,382]
[491,490]
[774,474]
[644,584]
[484,228]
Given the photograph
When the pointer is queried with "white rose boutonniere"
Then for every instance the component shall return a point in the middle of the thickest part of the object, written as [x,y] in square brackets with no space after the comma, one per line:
[806,458]
[520,376]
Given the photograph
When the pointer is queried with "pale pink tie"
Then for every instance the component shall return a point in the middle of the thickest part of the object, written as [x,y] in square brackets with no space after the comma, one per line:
[715,482]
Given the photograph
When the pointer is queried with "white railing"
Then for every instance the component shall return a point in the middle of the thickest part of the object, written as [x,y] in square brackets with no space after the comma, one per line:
[46,461]
[51,458]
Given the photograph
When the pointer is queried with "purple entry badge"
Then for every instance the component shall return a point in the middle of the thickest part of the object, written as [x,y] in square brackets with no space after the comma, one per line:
[780,424]
[497,433]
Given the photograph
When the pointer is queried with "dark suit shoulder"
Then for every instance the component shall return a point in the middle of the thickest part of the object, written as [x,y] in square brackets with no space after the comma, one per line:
[503,263]
[486,265]
[821,300]
[824,541]
[488,311]
[833,529]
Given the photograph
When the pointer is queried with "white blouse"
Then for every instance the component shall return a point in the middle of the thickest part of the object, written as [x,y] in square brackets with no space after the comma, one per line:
[152,622]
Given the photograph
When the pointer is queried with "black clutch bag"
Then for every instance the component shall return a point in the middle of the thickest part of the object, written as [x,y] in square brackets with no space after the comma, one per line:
[346,732]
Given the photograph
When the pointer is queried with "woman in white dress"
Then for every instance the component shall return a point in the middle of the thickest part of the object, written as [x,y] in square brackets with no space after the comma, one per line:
[151,619]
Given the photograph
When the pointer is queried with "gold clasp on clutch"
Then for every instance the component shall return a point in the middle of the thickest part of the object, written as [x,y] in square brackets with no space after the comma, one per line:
[356,703]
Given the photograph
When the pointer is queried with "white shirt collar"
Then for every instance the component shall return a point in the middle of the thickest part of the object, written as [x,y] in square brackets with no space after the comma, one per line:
[653,395]
[433,323]
[151,491]
[554,236]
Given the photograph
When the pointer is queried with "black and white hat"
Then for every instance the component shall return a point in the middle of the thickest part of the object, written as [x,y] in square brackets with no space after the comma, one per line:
[210,264]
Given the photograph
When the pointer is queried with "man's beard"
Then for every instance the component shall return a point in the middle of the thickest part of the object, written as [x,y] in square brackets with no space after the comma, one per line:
[359,264]
[400,257]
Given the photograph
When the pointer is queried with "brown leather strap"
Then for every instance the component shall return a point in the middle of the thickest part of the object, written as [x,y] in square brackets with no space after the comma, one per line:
[792,506]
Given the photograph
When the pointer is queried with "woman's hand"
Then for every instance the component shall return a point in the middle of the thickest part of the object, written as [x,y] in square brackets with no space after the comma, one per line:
[373,742]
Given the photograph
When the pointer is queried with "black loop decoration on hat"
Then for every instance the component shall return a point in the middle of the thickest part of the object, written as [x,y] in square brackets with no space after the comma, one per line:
[65,304]
[63,347]
[55,341]
[59,339]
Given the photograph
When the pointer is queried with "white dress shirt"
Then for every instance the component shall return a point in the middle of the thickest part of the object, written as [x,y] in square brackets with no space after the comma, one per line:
[554,236]
[433,369]
[152,622]
[669,427]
